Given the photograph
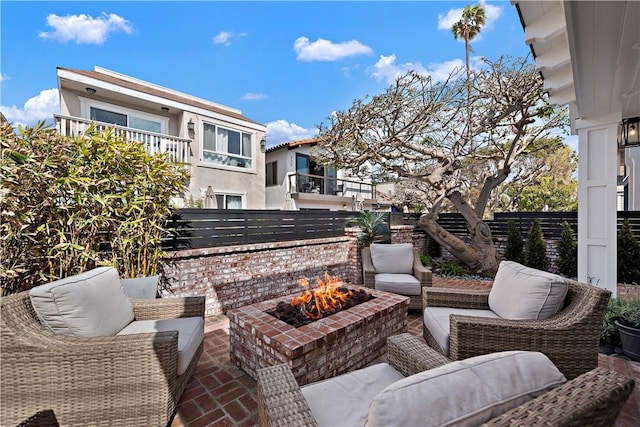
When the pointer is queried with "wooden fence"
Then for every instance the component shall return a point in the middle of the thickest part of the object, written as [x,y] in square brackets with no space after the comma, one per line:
[201,228]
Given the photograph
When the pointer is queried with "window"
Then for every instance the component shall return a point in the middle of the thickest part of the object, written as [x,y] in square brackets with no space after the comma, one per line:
[229,201]
[227,147]
[106,113]
[271,170]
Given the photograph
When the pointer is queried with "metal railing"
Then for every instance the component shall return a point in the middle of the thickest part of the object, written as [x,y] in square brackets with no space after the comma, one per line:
[318,184]
[178,148]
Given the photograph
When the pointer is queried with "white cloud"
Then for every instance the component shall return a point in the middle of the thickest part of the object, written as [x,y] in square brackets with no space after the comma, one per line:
[249,96]
[40,107]
[3,77]
[325,50]
[85,29]
[282,131]
[224,37]
[387,70]
[446,21]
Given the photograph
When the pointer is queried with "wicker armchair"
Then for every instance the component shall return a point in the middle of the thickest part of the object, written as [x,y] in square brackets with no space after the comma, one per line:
[422,273]
[593,399]
[569,339]
[126,380]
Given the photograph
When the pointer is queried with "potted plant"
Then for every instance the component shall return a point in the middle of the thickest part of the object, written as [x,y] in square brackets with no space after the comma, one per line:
[373,227]
[621,327]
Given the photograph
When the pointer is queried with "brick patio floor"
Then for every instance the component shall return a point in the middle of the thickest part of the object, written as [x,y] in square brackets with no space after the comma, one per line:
[220,394]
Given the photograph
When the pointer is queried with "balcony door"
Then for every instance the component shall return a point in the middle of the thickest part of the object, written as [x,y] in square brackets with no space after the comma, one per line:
[121,116]
[305,166]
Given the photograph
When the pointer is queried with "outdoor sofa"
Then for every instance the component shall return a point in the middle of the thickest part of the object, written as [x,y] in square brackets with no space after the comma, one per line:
[95,357]
[526,309]
[592,399]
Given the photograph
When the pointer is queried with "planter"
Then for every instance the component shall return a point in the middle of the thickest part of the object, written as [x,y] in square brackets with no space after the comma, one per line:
[630,338]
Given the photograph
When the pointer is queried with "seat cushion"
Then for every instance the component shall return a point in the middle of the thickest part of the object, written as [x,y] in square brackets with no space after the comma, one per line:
[436,320]
[344,400]
[190,335]
[520,292]
[403,284]
[393,258]
[90,304]
[465,393]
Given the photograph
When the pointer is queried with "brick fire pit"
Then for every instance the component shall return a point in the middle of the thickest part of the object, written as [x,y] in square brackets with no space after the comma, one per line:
[322,349]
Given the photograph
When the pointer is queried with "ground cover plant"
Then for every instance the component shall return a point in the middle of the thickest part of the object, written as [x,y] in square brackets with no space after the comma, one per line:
[70,204]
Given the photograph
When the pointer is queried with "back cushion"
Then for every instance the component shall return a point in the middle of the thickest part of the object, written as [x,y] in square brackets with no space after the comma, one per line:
[520,292]
[90,304]
[393,258]
[465,393]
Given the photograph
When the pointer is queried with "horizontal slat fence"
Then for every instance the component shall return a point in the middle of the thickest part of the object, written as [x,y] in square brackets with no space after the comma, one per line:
[202,228]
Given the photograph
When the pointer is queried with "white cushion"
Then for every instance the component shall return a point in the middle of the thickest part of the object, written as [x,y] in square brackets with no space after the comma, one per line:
[393,258]
[141,287]
[465,393]
[403,284]
[190,335]
[90,304]
[436,320]
[344,400]
[520,292]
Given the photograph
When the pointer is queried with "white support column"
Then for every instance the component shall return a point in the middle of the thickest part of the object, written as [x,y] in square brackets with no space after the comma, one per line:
[597,209]
[632,162]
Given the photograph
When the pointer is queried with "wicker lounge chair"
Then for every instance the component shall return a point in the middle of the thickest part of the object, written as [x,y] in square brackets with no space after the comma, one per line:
[126,380]
[593,399]
[420,272]
[569,338]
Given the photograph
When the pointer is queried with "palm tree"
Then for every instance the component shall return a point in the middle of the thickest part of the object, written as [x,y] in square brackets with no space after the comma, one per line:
[467,28]
[373,225]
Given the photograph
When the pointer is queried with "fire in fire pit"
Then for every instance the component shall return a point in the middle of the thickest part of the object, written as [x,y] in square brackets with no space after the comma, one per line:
[331,296]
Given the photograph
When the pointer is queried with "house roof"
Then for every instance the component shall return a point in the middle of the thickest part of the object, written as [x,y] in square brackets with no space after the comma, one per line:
[293,144]
[159,91]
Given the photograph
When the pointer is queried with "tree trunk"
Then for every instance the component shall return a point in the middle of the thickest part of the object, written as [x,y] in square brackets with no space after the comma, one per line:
[480,254]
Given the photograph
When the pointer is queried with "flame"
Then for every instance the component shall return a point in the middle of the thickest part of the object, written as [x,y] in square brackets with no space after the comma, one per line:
[327,297]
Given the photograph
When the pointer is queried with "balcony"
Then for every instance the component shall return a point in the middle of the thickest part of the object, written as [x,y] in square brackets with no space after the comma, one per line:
[315,187]
[178,148]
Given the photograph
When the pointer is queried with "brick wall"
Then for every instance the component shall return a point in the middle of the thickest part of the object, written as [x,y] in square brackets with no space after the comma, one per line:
[234,276]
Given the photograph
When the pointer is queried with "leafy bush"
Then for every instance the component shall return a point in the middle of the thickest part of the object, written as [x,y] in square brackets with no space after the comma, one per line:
[617,307]
[453,269]
[514,250]
[71,204]
[536,249]
[425,260]
[567,249]
[628,255]
[373,226]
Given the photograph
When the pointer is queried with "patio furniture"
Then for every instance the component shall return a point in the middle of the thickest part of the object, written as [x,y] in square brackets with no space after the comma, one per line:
[526,309]
[431,389]
[396,268]
[80,347]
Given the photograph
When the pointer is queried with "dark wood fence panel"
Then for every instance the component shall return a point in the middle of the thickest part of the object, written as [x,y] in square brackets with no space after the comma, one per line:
[201,228]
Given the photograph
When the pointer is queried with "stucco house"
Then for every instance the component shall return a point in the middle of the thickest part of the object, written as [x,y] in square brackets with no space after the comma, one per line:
[588,53]
[223,150]
[294,181]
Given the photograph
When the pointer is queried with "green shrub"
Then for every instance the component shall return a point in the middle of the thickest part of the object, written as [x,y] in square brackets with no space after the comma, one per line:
[567,249]
[617,307]
[536,249]
[71,204]
[514,250]
[628,255]
[425,260]
[373,225]
[453,269]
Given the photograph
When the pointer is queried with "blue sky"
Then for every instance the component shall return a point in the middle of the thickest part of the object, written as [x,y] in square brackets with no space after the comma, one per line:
[287,65]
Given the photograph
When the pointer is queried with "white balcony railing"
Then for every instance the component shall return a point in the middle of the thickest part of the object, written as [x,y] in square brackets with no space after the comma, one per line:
[178,148]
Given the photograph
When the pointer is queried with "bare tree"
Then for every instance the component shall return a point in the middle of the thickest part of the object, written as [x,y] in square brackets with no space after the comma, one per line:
[430,132]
